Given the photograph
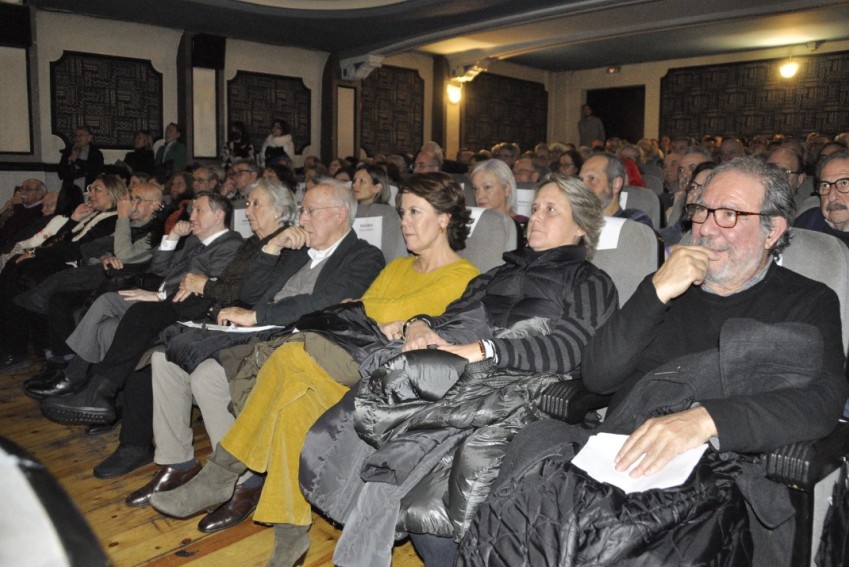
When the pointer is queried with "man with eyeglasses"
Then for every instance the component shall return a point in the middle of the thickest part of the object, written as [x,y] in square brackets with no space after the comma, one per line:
[524,171]
[138,231]
[792,164]
[243,173]
[206,178]
[832,185]
[740,223]
[720,346]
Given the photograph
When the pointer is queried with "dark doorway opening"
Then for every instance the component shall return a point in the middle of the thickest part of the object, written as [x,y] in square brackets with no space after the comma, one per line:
[622,111]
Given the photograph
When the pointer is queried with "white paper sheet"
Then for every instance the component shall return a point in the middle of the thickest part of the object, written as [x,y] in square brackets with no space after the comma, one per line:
[228,328]
[596,458]
[370,229]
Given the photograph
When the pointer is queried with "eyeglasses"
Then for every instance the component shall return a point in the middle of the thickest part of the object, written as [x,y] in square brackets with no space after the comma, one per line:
[790,172]
[842,186]
[202,180]
[136,199]
[725,218]
[234,172]
[310,211]
[92,188]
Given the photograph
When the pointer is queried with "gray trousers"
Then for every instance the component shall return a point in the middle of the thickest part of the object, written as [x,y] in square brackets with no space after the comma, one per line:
[93,336]
[173,389]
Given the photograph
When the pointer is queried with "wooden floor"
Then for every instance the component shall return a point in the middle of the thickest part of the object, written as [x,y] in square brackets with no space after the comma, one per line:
[142,536]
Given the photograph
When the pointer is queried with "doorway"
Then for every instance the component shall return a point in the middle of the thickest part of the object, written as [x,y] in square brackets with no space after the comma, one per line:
[622,111]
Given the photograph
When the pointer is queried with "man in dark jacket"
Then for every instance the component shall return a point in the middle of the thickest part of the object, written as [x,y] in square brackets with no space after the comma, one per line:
[209,247]
[82,159]
[739,222]
[21,210]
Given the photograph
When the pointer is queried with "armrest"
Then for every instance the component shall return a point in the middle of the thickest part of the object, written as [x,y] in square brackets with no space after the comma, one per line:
[802,465]
[570,401]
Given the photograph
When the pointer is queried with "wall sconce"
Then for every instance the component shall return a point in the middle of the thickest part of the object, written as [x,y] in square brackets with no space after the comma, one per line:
[788,69]
[613,69]
[455,92]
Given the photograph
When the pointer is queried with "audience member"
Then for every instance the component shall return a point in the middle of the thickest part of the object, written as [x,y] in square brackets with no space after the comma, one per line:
[141,159]
[244,174]
[171,157]
[370,185]
[524,171]
[278,143]
[569,163]
[495,188]
[507,152]
[793,165]
[21,209]
[605,175]
[237,146]
[722,298]
[731,148]
[832,185]
[209,248]
[81,159]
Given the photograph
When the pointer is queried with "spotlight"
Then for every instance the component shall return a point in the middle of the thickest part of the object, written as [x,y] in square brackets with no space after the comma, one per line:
[455,92]
[789,69]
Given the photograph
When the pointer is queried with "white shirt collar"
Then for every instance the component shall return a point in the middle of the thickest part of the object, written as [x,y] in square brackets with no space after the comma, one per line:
[318,256]
[209,240]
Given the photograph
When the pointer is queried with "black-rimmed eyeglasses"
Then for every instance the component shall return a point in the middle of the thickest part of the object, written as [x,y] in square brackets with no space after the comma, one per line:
[725,218]
[842,186]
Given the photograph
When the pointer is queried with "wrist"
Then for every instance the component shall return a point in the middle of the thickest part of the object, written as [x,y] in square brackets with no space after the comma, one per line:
[424,319]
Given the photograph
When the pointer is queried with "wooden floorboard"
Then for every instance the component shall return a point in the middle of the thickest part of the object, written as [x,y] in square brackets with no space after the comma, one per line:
[141,536]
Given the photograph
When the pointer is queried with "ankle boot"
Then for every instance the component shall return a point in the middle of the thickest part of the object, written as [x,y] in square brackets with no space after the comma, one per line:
[291,543]
[212,486]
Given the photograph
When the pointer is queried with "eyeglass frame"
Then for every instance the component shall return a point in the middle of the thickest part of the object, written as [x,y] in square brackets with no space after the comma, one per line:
[830,184]
[90,188]
[137,199]
[234,172]
[310,211]
[693,207]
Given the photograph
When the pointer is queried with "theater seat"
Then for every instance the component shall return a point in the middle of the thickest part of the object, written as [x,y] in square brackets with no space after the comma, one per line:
[641,199]
[379,225]
[627,251]
[492,235]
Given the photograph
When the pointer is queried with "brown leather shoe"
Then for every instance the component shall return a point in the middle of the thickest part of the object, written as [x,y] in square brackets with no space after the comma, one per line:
[235,510]
[166,479]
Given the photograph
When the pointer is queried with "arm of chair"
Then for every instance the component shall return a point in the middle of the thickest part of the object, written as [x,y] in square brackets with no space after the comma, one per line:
[802,465]
[570,401]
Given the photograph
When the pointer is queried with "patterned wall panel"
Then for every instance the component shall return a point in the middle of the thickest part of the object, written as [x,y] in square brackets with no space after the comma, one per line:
[258,99]
[752,98]
[501,109]
[115,96]
[392,111]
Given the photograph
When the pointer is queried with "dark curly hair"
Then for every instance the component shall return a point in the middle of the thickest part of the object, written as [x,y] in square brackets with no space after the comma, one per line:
[446,196]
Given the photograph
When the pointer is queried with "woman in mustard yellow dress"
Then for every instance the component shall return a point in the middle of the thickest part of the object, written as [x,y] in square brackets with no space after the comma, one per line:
[293,389]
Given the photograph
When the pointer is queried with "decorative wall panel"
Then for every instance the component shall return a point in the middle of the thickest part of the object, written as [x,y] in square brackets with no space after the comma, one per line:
[501,109]
[392,111]
[257,99]
[115,96]
[752,98]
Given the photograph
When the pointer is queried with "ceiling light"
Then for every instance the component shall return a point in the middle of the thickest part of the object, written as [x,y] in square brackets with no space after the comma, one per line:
[613,69]
[789,69]
[455,92]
